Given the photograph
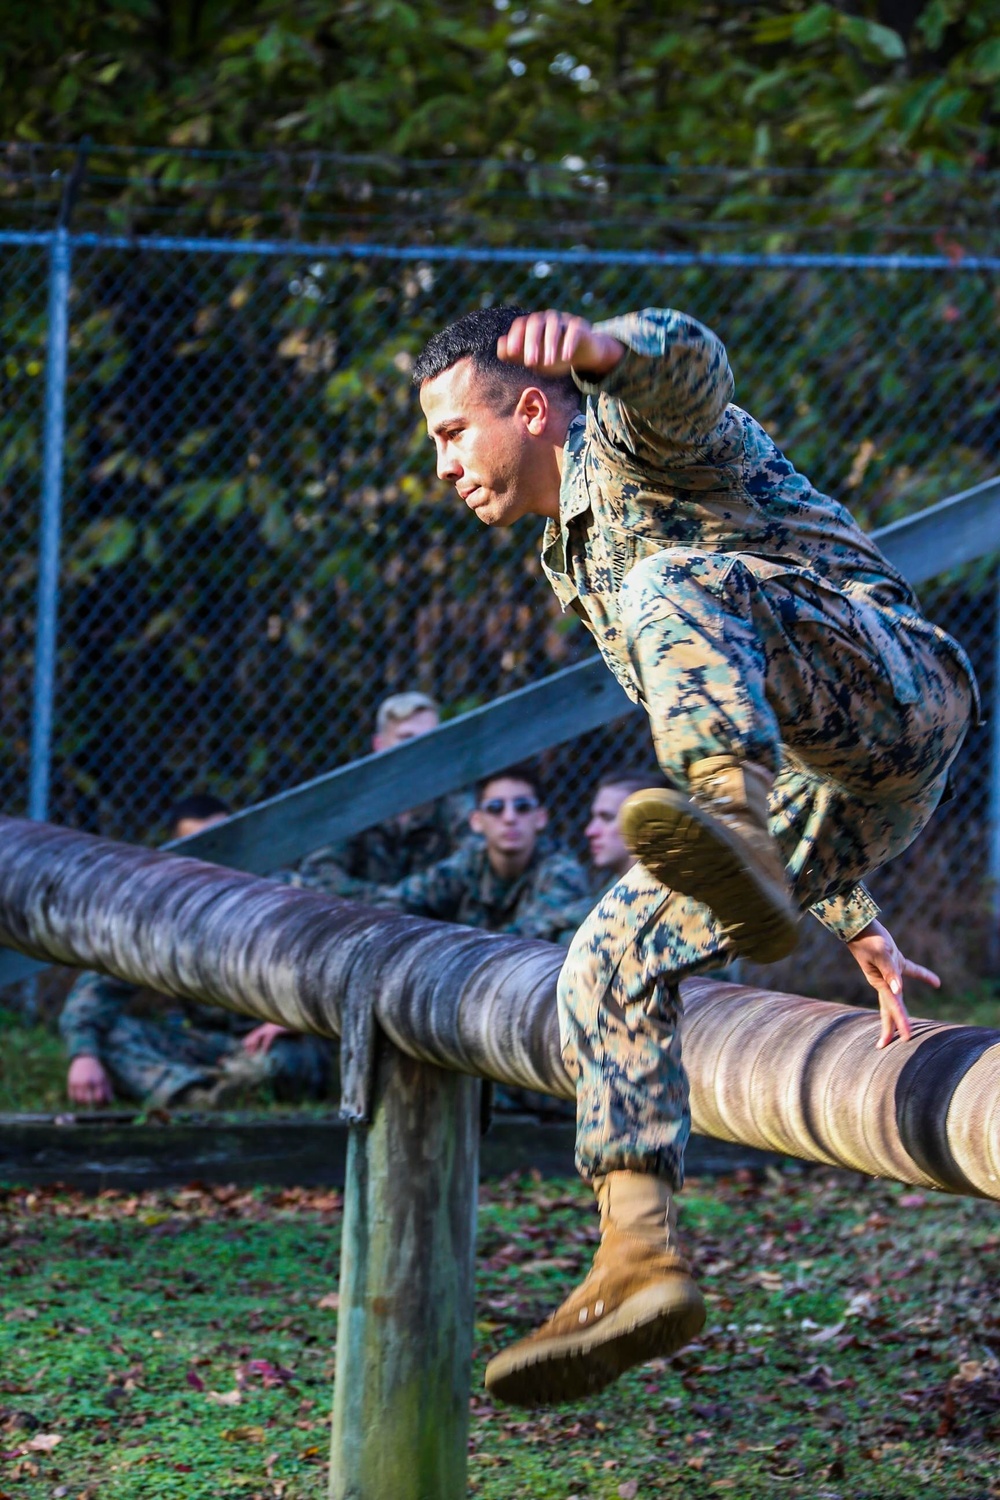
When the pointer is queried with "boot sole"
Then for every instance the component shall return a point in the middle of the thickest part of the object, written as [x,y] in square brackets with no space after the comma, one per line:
[693,853]
[650,1324]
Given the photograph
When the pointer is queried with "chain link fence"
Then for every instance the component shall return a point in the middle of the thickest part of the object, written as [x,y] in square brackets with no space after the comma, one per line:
[255,549]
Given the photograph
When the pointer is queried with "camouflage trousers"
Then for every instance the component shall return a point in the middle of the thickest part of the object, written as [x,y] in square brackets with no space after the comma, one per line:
[156,1061]
[858,709]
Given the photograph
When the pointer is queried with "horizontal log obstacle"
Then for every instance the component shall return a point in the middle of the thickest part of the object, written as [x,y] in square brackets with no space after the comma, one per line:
[780,1072]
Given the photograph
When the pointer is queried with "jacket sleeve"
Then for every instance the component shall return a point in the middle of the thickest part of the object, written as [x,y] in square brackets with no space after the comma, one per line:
[574,914]
[560,888]
[324,872]
[665,402]
[92,1007]
[848,915]
[434,892]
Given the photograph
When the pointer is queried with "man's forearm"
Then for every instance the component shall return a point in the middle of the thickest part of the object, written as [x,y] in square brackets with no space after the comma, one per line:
[674,372]
[83,1044]
[92,1007]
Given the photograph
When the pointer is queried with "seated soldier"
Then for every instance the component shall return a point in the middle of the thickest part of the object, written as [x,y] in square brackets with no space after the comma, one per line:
[181,1053]
[509,879]
[400,846]
[610,858]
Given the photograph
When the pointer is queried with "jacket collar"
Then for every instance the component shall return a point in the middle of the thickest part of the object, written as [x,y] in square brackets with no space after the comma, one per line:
[574,496]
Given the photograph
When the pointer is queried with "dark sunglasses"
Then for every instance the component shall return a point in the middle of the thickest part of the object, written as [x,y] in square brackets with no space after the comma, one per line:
[496,805]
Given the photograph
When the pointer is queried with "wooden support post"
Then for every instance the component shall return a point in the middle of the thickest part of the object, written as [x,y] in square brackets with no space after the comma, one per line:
[405,1326]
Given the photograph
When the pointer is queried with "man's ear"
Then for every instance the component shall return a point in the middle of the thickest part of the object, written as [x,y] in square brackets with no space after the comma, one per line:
[378,742]
[476,821]
[541,818]
[533,409]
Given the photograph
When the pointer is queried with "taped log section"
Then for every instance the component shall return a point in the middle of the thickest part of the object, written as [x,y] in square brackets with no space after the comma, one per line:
[778,1072]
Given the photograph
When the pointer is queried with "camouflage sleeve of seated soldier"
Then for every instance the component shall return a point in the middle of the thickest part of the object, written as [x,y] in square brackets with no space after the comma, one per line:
[559,884]
[575,913]
[438,891]
[92,1007]
[326,870]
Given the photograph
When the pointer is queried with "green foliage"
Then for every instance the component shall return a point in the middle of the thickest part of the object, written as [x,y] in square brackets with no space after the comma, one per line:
[789,82]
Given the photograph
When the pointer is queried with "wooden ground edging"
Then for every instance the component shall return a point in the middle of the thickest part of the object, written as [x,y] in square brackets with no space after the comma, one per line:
[113,1149]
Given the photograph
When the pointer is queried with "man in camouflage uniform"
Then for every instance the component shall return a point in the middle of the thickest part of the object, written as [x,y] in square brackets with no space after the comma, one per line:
[177,1052]
[508,879]
[803,710]
[401,846]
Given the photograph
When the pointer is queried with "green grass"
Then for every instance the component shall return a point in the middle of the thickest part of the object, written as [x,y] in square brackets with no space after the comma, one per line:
[33,1068]
[175,1344]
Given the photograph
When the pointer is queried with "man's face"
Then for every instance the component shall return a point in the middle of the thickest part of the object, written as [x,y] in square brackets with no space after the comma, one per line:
[398,731]
[484,453]
[509,817]
[186,828]
[608,850]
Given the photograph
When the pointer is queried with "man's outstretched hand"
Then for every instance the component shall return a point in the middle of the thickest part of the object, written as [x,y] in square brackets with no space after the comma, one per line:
[554,343]
[884,967]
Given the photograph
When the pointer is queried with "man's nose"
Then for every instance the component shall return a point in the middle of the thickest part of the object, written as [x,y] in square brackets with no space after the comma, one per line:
[448,466]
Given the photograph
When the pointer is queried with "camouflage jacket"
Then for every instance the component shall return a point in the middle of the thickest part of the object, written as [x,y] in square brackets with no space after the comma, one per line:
[575,913]
[464,888]
[95,1002]
[388,852]
[661,458]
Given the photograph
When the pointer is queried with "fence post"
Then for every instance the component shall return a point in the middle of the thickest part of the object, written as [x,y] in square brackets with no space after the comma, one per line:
[405,1324]
[50,526]
[993,824]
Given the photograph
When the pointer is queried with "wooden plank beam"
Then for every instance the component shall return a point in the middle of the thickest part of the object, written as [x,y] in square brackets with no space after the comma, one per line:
[112,1149]
[956,531]
[515,727]
[519,725]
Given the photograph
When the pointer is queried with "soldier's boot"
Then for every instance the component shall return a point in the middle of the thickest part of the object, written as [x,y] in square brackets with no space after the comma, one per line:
[714,845]
[638,1302]
[240,1074]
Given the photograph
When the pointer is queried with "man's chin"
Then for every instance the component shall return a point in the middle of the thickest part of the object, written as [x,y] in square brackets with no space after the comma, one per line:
[494,513]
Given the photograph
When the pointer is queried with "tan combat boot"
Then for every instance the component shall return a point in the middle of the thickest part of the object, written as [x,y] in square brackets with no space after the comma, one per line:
[715,847]
[639,1301]
[240,1074]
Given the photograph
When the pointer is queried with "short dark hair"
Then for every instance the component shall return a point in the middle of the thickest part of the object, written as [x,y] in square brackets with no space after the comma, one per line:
[633,779]
[511,773]
[198,805]
[474,336]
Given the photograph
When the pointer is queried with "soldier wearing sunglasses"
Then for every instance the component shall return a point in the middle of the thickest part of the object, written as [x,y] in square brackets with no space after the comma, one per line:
[509,878]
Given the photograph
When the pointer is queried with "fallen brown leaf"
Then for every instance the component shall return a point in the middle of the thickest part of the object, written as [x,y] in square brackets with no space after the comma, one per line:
[43,1442]
[225,1398]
